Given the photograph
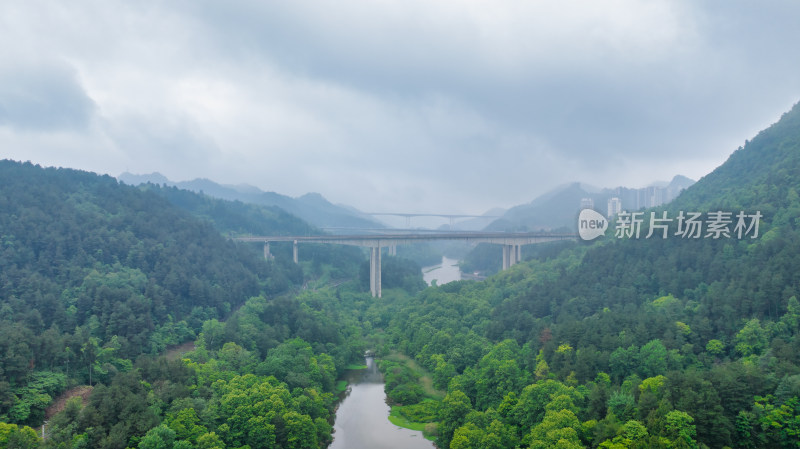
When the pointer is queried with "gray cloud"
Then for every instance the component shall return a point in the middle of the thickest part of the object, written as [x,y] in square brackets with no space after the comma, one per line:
[42,98]
[176,142]
[426,105]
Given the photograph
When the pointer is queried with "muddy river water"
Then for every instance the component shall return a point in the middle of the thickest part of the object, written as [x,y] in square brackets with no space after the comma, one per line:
[362,418]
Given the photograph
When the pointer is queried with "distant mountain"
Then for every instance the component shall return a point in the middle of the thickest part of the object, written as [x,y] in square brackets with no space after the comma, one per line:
[311,207]
[554,209]
[153,178]
[559,207]
[680,183]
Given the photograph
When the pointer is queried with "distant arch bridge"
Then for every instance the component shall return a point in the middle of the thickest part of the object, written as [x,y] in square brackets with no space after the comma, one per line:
[511,242]
[451,217]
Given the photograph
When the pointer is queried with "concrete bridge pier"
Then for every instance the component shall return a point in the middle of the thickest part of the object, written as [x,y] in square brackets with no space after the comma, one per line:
[375,271]
[511,255]
[511,242]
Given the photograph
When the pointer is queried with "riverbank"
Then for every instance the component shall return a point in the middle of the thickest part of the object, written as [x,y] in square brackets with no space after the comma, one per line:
[410,393]
[341,384]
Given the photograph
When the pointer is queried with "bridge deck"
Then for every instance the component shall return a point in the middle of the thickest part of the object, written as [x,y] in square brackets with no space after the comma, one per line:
[512,243]
[370,240]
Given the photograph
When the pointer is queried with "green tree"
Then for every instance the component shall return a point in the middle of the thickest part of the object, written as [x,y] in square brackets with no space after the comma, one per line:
[161,437]
[259,431]
[715,347]
[185,425]
[632,435]
[209,440]
[89,351]
[531,406]
[301,432]
[623,361]
[623,405]
[442,371]
[468,436]
[213,335]
[236,357]
[248,404]
[498,374]
[557,429]
[598,395]
[653,358]
[780,422]
[13,436]
[452,414]
[751,339]
[679,427]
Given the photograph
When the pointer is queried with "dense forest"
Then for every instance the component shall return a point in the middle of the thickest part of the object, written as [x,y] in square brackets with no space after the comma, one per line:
[97,279]
[619,343]
[659,342]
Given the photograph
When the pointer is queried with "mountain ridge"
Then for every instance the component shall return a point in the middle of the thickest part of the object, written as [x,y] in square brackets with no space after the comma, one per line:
[558,207]
[311,207]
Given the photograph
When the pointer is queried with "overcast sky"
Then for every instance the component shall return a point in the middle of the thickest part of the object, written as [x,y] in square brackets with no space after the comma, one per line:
[407,105]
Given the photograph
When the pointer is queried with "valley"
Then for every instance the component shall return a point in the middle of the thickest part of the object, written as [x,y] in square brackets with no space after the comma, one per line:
[614,343]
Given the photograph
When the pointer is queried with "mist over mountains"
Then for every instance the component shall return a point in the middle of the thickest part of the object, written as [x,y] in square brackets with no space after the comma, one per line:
[558,208]
[553,210]
[311,207]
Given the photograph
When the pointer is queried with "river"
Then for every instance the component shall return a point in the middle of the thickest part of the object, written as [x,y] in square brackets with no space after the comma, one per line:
[447,271]
[362,419]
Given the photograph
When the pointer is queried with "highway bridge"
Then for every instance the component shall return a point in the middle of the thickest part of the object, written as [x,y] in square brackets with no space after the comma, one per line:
[511,241]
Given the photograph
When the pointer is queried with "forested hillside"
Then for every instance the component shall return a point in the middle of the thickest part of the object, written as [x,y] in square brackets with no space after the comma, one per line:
[95,275]
[659,342]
